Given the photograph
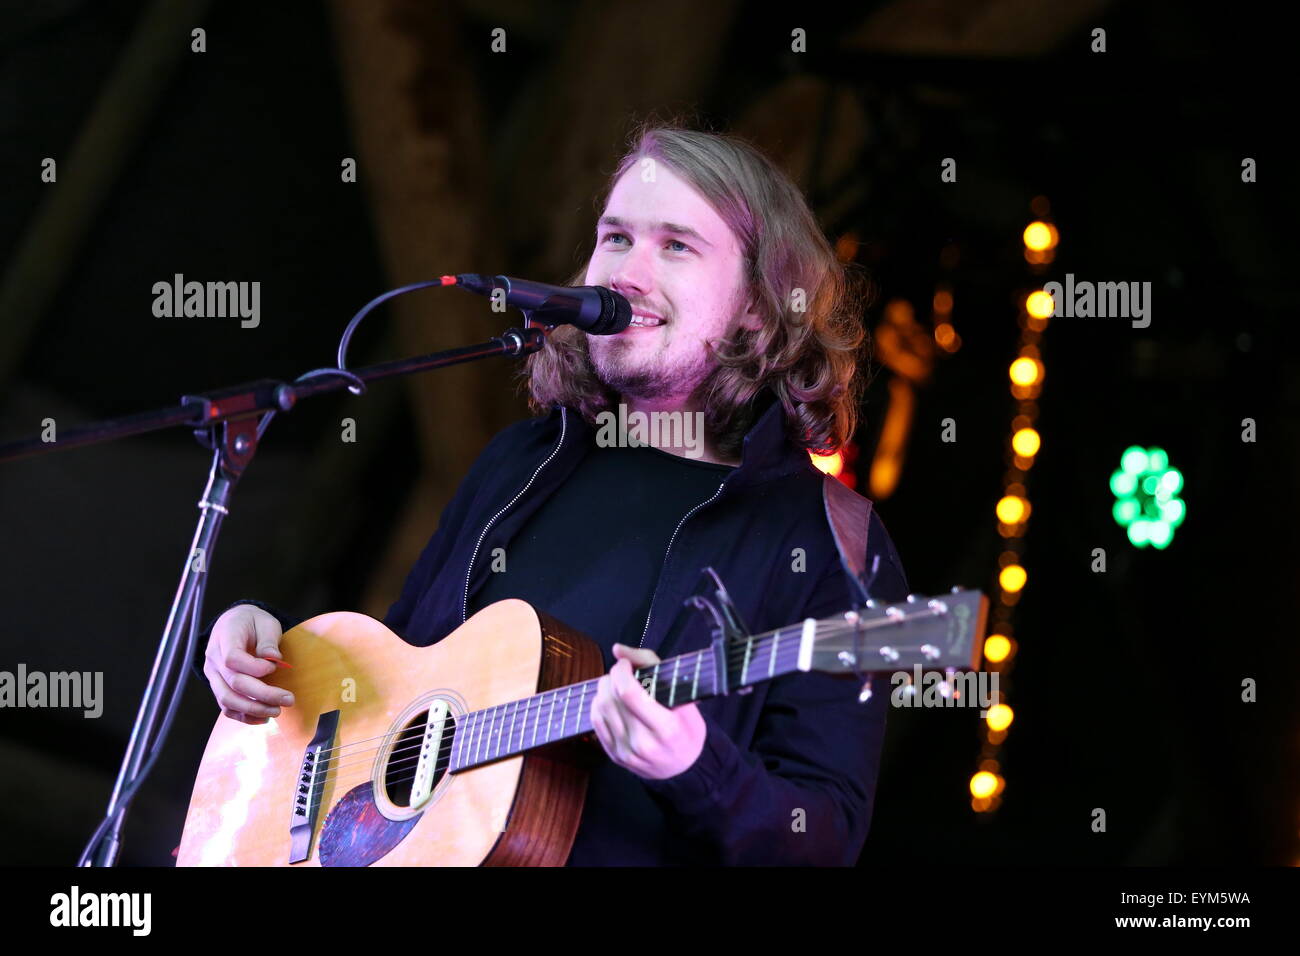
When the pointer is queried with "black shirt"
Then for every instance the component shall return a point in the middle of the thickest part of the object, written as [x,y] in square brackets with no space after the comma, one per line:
[591,554]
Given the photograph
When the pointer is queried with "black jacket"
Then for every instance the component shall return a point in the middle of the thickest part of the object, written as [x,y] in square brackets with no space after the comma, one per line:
[788,772]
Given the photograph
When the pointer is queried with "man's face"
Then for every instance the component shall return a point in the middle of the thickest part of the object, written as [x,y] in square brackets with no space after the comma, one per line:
[662,246]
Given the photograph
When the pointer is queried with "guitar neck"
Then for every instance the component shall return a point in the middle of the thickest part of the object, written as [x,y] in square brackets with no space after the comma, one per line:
[932,633]
[522,725]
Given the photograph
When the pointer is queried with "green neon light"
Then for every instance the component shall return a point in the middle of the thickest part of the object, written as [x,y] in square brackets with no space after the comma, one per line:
[1146,491]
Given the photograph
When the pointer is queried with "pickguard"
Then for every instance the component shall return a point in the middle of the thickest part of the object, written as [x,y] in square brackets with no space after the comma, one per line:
[357,834]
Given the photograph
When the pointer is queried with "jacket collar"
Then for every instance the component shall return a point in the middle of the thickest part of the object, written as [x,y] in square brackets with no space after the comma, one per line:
[767,452]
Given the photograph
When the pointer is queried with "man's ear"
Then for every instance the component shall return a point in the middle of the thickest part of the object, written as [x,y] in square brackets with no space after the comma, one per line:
[751,319]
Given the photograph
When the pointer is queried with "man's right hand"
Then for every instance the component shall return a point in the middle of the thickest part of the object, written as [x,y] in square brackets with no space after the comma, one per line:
[234,664]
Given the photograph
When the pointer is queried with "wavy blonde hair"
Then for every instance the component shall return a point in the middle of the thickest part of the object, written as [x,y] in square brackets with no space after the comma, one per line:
[810,357]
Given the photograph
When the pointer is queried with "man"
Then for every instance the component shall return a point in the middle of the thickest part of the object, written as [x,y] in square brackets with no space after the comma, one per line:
[744,321]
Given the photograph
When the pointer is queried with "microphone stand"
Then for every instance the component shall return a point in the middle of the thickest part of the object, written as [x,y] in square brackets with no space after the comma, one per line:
[230,422]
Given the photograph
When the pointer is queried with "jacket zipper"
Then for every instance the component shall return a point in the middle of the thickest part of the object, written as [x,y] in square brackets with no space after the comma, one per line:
[646,630]
[469,573]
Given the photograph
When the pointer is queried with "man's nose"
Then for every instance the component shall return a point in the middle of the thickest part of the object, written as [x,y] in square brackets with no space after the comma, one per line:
[632,276]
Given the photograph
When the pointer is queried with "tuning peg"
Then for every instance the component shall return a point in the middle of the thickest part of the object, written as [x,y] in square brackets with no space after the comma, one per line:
[865,694]
[911,599]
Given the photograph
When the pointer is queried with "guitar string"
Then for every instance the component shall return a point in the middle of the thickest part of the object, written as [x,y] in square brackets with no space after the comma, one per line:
[758,647]
[411,761]
[761,648]
[476,729]
[408,758]
[475,732]
[475,737]
[335,773]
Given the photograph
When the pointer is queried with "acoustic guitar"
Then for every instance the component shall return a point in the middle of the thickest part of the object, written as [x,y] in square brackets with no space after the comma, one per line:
[476,750]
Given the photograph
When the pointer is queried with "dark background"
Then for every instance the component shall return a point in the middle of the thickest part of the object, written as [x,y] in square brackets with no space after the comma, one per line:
[224,165]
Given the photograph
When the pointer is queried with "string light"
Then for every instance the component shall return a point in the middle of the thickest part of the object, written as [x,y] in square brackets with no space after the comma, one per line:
[1026,371]
[1012,578]
[997,648]
[984,784]
[1040,239]
[1039,305]
[1000,717]
[1014,509]
[1025,442]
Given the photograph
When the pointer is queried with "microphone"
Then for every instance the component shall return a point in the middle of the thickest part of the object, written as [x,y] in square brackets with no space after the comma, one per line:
[592,308]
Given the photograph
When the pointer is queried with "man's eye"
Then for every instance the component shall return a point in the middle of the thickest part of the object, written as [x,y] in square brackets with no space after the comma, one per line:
[678,242]
[614,235]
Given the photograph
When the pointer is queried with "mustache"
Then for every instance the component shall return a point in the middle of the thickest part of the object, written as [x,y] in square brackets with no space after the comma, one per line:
[649,310]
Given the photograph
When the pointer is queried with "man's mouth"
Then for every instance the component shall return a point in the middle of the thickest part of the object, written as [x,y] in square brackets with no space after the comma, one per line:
[645,320]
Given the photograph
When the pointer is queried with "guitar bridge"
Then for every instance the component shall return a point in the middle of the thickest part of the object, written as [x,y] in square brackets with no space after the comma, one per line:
[311,786]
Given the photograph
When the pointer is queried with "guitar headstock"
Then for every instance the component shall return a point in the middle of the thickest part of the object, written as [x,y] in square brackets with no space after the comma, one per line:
[934,632]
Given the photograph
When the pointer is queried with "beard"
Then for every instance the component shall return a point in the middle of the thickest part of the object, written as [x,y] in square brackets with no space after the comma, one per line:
[628,370]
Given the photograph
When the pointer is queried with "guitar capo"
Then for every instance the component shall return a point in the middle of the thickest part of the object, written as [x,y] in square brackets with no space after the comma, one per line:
[728,627]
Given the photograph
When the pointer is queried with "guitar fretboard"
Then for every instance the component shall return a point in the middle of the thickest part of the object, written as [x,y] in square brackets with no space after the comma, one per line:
[521,725]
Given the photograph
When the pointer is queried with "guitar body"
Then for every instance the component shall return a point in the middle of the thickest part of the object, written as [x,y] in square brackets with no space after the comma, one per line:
[363,695]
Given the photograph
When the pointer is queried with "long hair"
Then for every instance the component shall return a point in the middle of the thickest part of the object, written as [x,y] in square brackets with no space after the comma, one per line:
[811,342]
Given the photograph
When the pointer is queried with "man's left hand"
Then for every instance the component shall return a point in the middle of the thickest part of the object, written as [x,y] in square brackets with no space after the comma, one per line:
[638,732]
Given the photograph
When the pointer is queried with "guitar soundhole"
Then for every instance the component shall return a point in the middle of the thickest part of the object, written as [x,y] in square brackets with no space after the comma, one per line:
[405,757]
